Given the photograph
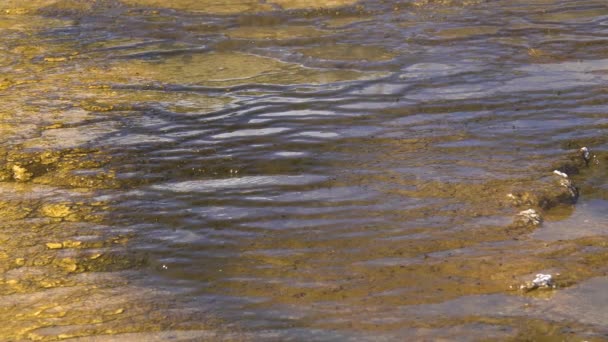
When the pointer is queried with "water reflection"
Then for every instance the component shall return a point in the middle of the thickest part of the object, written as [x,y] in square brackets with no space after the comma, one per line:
[299,170]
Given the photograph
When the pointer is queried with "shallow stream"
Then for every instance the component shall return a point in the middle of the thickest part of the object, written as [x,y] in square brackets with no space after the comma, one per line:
[302,170]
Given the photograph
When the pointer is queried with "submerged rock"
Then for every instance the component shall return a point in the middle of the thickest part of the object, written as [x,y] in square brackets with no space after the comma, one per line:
[572,190]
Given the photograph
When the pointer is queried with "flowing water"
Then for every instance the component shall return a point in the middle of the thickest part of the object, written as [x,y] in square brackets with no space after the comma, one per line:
[302,170]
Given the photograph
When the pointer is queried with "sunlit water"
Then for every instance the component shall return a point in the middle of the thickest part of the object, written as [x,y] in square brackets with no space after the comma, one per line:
[300,170]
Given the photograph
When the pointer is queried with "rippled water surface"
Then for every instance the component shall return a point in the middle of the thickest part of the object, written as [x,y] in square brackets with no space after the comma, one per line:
[302,170]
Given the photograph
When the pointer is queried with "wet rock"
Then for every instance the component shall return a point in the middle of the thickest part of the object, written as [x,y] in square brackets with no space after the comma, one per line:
[572,190]
[528,218]
[586,154]
[541,281]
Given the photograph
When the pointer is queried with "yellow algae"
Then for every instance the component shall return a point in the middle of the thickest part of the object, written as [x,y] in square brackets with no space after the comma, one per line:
[69,264]
[27,51]
[55,59]
[275,32]
[95,256]
[54,126]
[20,261]
[97,107]
[13,211]
[53,167]
[21,173]
[54,245]
[349,52]
[207,6]
[72,244]
[42,260]
[56,210]
[6,83]
[66,177]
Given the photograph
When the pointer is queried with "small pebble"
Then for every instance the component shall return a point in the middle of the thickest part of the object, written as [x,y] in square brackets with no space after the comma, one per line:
[585,154]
